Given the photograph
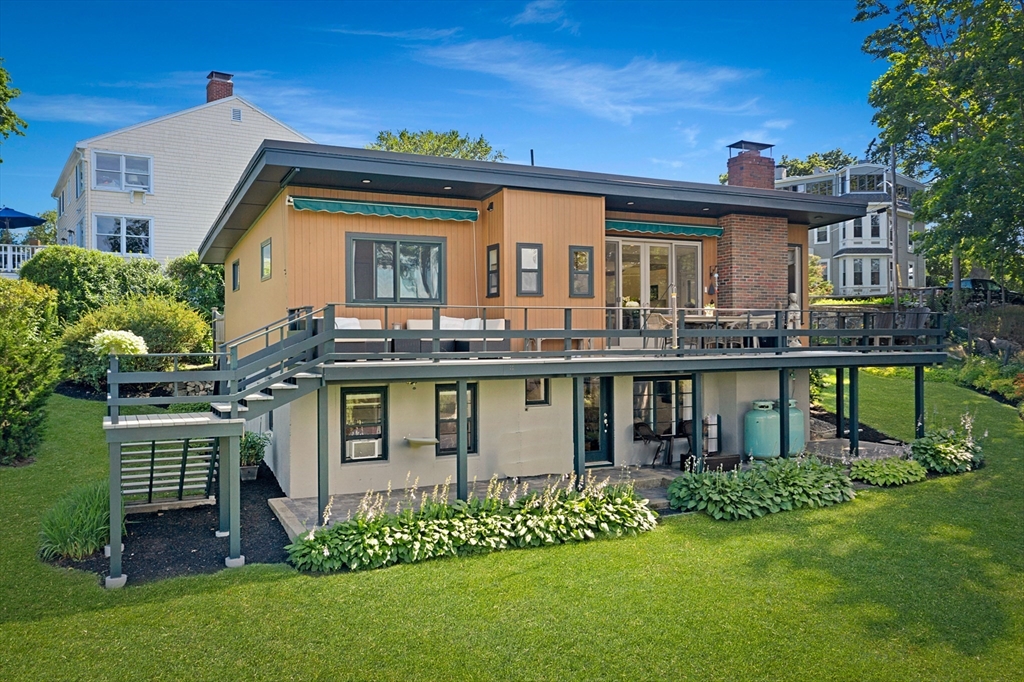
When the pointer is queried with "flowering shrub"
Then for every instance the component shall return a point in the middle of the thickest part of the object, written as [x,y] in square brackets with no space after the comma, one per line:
[109,342]
[375,538]
[887,471]
[768,487]
[949,451]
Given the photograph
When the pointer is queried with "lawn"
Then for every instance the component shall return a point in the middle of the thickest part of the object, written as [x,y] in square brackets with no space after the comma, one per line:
[924,582]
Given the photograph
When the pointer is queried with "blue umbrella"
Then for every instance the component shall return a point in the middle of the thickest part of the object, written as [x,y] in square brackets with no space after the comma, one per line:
[13,220]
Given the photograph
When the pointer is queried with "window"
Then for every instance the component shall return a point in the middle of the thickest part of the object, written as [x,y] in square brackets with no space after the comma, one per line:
[265,262]
[858,272]
[396,269]
[876,275]
[821,187]
[538,392]
[493,271]
[60,203]
[79,178]
[821,235]
[876,230]
[448,419]
[80,233]
[234,276]
[825,272]
[364,424]
[123,234]
[529,270]
[844,230]
[858,228]
[910,273]
[122,173]
[663,404]
[842,266]
[867,183]
[581,271]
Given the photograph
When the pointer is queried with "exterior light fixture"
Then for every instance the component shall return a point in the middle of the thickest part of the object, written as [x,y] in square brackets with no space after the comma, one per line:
[366,182]
[629,203]
[447,186]
[705,209]
[490,206]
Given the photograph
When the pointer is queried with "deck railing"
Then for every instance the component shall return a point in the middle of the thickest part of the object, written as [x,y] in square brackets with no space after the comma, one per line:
[13,256]
[307,339]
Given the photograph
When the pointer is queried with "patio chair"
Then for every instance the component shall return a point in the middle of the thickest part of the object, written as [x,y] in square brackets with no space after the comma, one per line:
[915,318]
[644,432]
[885,321]
[359,345]
[657,322]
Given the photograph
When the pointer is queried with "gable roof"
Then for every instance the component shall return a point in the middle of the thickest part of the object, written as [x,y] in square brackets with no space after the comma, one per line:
[279,164]
[89,141]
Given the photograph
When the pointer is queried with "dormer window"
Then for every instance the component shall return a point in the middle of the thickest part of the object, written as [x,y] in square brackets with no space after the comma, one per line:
[122,172]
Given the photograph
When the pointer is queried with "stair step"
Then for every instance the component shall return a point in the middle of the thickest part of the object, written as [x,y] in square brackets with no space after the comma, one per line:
[221,408]
[258,396]
[280,387]
[306,375]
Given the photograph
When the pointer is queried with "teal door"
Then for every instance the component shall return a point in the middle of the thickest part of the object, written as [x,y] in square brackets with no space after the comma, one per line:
[597,419]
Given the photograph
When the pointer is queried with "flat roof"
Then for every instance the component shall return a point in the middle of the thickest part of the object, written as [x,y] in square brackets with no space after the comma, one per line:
[277,164]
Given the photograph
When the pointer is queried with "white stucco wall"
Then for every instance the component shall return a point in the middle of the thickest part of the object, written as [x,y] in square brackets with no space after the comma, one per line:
[514,440]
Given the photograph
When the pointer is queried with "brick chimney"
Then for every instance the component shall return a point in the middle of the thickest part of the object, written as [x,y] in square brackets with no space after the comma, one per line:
[219,86]
[749,168]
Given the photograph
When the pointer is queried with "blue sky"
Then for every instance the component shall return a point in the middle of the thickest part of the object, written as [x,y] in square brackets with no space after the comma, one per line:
[653,89]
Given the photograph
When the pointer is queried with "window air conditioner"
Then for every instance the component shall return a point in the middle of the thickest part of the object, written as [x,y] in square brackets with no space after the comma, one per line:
[364,449]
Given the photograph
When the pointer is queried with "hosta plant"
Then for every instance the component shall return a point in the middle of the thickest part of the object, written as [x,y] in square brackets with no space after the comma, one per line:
[432,527]
[888,471]
[949,451]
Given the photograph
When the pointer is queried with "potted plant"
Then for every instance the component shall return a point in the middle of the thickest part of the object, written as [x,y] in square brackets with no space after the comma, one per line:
[251,451]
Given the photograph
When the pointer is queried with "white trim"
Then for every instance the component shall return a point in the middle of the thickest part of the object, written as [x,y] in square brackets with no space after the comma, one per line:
[122,216]
[828,235]
[122,189]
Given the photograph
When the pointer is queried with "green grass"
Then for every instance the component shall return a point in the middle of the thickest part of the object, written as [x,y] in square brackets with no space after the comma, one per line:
[921,582]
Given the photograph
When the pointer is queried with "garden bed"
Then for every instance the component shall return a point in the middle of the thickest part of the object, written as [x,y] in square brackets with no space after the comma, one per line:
[162,545]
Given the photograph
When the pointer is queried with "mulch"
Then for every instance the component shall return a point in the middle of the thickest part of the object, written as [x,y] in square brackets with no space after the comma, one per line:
[177,542]
[867,433]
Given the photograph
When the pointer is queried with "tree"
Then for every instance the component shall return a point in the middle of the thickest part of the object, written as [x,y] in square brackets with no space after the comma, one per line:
[817,285]
[47,232]
[817,161]
[6,237]
[198,284]
[9,121]
[432,143]
[952,103]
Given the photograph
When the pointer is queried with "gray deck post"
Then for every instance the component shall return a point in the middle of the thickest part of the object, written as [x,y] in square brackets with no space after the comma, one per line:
[234,558]
[462,438]
[840,400]
[223,494]
[784,412]
[697,403]
[322,452]
[116,578]
[919,401]
[854,412]
[579,455]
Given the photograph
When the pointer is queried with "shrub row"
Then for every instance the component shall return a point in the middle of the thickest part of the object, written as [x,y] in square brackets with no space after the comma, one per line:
[29,365]
[78,525]
[767,487]
[374,538]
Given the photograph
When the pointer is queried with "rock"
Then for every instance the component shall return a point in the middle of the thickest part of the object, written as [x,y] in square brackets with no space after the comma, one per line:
[1006,348]
[982,347]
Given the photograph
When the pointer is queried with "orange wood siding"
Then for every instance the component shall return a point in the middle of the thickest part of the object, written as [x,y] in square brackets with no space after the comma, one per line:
[257,303]
[318,263]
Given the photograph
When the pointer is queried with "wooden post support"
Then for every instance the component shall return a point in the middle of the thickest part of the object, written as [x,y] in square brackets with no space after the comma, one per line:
[784,412]
[223,494]
[323,479]
[697,403]
[234,558]
[116,578]
[854,412]
[462,440]
[568,327]
[579,455]
[919,401]
[840,399]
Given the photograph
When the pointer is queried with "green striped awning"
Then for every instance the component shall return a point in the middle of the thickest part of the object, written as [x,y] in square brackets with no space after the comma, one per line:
[663,228]
[382,209]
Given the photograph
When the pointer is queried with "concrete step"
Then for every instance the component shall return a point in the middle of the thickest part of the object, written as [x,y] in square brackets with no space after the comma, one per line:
[224,409]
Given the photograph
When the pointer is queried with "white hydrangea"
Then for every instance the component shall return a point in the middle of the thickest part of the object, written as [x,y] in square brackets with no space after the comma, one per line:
[117,342]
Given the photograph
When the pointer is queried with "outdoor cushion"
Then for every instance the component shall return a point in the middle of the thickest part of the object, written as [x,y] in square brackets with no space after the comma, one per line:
[347,323]
[452,322]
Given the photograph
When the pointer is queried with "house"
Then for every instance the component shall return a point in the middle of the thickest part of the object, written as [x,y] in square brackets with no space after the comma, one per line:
[393,317]
[856,254]
[153,189]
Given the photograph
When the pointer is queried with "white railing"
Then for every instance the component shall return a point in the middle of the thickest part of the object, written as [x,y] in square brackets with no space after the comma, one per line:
[12,256]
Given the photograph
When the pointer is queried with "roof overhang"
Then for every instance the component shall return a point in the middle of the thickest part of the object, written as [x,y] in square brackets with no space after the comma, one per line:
[279,164]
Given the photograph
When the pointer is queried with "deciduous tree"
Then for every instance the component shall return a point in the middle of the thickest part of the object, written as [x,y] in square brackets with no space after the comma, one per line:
[452,144]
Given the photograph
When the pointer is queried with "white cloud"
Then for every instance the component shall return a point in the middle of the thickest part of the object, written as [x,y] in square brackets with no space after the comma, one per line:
[108,111]
[689,135]
[409,34]
[546,12]
[642,86]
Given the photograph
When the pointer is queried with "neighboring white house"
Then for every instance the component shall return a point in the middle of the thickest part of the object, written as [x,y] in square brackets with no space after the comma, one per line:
[856,254]
[153,189]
